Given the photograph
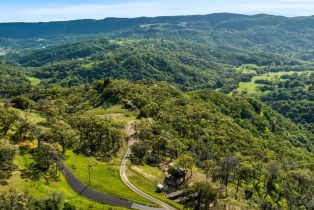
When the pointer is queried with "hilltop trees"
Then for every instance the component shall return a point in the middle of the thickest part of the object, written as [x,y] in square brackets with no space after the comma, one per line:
[185,161]
[13,81]
[21,102]
[46,155]
[14,200]
[245,148]
[98,136]
[200,195]
[227,138]
[64,135]
[7,118]
[7,155]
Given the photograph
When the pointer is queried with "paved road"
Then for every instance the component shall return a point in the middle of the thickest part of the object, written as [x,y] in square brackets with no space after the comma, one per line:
[94,195]
[87,192]
[131,131]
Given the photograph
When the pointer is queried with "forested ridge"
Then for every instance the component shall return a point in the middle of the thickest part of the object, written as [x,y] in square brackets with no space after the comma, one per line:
[191,66]
[276,34]
[272,152]
[224,101]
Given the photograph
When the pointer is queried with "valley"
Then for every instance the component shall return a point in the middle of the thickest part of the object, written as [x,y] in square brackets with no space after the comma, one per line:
[184,112]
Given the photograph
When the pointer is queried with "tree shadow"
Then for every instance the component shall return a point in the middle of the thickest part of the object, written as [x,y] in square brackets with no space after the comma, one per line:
[31,172]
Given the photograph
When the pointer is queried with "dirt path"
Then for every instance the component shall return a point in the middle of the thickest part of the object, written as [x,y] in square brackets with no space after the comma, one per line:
[131,131]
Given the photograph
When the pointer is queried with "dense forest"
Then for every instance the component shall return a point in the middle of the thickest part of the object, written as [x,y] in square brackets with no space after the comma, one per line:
[190,66]
[267,33]
[225,97]
[269,156]
[293,97]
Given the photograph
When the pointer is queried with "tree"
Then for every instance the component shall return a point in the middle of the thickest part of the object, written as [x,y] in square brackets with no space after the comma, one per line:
[139,150]
[64,135]
[14,200]
[7,118]
[299,189]
[243,173]
[227,166]
[46,155]
[7,155]
[98,136]
[273,170]
[52,202]
[200,195]
[150,110]
[61,105]
[209,166]
[185,161]
[24,129]
[21,102]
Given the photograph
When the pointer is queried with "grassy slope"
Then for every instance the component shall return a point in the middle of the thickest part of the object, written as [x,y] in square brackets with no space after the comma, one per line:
[34,81]
[115,112]
[45,186]
[145,178]
[108,171]
[104,176]
[252,88]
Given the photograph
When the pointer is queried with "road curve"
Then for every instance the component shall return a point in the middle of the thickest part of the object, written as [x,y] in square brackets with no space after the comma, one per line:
[89,193]
[135,189]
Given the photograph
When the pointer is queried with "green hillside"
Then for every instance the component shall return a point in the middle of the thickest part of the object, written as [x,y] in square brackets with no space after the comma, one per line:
[221,107]
[255,33]
[187,65]
[273,152]
[13,81]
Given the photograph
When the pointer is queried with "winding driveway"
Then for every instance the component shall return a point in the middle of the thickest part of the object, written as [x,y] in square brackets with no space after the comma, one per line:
[135,189]
[87,192]
[131,132]
[100,197]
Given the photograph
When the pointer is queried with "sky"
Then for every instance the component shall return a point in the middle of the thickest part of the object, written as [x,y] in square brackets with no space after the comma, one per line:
[56,10]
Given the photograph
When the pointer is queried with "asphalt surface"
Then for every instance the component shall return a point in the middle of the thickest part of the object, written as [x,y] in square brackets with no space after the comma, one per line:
[87,192]
[90,193]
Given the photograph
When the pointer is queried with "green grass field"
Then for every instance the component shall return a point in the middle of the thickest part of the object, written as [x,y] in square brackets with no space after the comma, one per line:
[45,186]
[247,69]
[251,87]
[104,176]
[34,81]
[115,112]
[146,178]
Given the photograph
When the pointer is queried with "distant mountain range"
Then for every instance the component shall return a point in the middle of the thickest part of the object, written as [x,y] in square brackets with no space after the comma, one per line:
[276,34]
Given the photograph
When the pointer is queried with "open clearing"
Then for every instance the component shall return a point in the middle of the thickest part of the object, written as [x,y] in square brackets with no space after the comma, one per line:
[251,87]
[104,176]
[138,177]
[45,186]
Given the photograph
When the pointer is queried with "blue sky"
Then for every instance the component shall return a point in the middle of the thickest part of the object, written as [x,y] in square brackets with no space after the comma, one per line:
[52,10]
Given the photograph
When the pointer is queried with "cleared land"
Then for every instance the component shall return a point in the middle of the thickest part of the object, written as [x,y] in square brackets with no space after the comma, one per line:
[252,88]
[45,185]
[104,176]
